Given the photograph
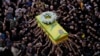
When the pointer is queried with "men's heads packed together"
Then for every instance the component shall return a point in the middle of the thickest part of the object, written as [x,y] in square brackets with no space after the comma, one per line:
[20,35]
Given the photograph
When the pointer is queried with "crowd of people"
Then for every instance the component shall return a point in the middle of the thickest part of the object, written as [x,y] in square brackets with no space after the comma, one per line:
[21,36]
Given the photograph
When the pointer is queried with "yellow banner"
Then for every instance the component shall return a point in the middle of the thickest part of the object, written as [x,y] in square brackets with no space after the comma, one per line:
[55,32]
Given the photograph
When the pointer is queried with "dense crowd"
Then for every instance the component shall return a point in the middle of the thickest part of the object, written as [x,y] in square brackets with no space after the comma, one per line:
[21,36]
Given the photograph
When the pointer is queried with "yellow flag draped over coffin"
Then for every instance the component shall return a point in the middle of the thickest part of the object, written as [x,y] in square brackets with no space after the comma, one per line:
[55,32]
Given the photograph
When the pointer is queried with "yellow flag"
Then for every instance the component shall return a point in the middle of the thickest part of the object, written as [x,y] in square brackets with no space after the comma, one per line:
[55,32]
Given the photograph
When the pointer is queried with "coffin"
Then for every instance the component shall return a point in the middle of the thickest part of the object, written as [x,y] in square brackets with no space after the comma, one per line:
[54,30]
